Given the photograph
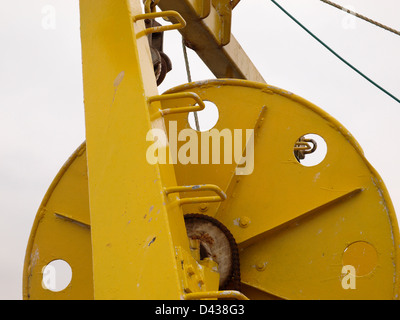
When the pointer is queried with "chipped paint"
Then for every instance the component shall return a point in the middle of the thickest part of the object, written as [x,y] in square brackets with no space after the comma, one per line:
[149,241]
[116,83]
[152,241]
[34,257]
[119,79]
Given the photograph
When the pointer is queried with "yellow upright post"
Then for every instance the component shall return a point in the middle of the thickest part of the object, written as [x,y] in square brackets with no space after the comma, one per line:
[133,245]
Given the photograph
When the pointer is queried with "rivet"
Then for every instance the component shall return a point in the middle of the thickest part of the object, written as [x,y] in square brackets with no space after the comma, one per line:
[261,266]
[203,207]
[244,221]
[190,270]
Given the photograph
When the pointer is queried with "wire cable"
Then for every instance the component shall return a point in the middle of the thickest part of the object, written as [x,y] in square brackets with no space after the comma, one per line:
[189,76]
[335,54]
[361,17]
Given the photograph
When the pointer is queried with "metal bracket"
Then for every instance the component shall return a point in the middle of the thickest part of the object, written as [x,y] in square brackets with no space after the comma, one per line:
[165,14]
[224,12]
[225,294]
[221,196]
[180,95]
[202,35]
[150,5]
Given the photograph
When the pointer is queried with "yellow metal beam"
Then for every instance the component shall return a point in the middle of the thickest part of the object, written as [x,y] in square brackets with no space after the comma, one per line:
[132,224]
[210,37]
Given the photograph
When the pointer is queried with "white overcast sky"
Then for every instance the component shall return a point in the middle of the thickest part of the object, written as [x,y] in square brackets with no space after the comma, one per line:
[41,98]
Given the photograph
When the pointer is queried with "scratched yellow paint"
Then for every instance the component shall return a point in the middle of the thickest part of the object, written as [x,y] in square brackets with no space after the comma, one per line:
[134,227]
[300,220]
[303,224]
[113,217]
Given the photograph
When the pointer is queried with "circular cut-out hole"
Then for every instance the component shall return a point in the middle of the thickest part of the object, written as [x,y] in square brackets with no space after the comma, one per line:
[208,117]
[57,275]
[310,150]
[362,256]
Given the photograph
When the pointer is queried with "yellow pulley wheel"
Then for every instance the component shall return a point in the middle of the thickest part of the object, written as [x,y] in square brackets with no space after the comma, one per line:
[310,216]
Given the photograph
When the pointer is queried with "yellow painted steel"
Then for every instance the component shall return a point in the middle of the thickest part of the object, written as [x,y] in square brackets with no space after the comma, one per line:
[118,220]
[226,294]
[296,226]
[165,14]
[119,238]
[133,222]
[61,230]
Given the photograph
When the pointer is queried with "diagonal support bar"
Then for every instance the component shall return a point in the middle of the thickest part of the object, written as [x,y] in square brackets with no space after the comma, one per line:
[224,60]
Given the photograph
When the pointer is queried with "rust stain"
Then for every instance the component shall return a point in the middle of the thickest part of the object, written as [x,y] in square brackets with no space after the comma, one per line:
[203,237]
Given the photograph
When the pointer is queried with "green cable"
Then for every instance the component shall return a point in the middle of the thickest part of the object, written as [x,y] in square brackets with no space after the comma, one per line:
[337,55]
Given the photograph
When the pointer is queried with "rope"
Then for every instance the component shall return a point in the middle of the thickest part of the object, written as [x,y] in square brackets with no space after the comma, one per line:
[335,54]
[185,55]
[189,76]
[361,17]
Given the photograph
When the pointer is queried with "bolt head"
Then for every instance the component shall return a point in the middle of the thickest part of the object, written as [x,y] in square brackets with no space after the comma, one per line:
[261,266]
[203,207]
[244,221]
